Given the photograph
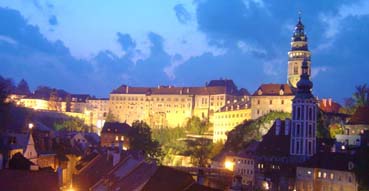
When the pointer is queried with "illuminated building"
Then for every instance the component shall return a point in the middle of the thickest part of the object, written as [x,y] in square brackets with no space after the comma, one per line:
[304,117]
[271,97]
[35,103]
[115,134]
[298,53]
[327,171]
[228,117]
[168,106]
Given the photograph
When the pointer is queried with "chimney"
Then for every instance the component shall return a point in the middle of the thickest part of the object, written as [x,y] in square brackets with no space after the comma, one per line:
[287,126]
[59,171]
[188,90]
[127,89]
[200,177]
[330,101]
[116,157]
[277,126]
[1,161]
[324,102]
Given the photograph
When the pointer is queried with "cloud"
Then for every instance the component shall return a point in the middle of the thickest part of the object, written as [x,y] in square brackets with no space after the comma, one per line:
[182,14]
[334,21]
[7,40]
[126,42]
[317,70]
[53,20]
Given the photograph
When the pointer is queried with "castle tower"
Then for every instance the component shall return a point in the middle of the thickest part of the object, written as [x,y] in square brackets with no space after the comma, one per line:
[299,51]
[304,117]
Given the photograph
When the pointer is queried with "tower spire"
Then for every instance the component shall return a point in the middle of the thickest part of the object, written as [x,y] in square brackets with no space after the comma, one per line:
[299,13]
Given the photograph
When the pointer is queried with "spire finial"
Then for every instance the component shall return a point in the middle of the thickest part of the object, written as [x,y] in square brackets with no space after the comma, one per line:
[299,12]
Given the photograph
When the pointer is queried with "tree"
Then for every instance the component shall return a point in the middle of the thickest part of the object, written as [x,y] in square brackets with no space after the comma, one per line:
[250,130]
[197,126]
[199,149]
[334,129]
[110,117]
[23,88]
[361,96]
[142,141]
[73,124]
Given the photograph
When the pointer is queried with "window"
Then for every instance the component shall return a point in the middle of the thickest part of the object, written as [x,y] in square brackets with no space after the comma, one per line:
[332,176]
[310,114]
[298,113]
[295,69]
[324,175]
[282,101]
[319,174]
[271,102]
[258,102]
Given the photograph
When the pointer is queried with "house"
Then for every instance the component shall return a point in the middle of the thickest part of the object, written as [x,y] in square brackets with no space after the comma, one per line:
[327,171]
[116,134]
[359,122]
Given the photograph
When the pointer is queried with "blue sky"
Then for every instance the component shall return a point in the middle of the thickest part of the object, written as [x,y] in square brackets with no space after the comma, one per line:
[93,46]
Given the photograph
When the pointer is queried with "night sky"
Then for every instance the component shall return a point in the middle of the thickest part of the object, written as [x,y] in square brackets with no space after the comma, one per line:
[93,46]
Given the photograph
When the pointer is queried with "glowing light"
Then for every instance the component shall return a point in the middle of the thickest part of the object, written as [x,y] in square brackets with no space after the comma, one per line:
[30,125]
[343,147]
[229,165]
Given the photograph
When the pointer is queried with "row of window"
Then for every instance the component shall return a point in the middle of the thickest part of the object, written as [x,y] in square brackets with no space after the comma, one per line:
[271,102]
[122,98]
[225,116]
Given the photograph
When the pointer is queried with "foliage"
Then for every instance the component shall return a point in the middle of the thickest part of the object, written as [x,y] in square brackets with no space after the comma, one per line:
[23,88]
[142,141]
[322,125]
[216,148]
[73,124]
[359,98]
[199,149]
[195,125]
[110,117]
[250,130]
[334,129]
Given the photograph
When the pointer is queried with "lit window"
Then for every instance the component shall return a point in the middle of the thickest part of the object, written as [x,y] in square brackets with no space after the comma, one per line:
[324,175]
[319,174]
[116,138]
[332,176]
[122,138]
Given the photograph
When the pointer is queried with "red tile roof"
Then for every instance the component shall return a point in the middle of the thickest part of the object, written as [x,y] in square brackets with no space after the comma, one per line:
[28,180]
[329,106]
[274,90]
[214,87]
[360,117]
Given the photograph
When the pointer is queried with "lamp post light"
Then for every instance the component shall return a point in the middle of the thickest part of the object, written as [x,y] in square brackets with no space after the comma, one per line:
[30,126]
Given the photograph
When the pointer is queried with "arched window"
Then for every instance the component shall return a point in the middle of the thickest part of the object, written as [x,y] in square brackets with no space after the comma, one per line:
[298,113]
[295,69]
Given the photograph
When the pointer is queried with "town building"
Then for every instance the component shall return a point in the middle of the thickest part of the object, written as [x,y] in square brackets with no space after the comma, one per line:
[228,117]
[97,109]
[115,134]
[304,118]
[169,106]
[359,122]
[271,97]
[327,171]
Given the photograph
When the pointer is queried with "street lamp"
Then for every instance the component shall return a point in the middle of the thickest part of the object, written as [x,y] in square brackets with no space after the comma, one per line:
[229,165]
[30,126]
